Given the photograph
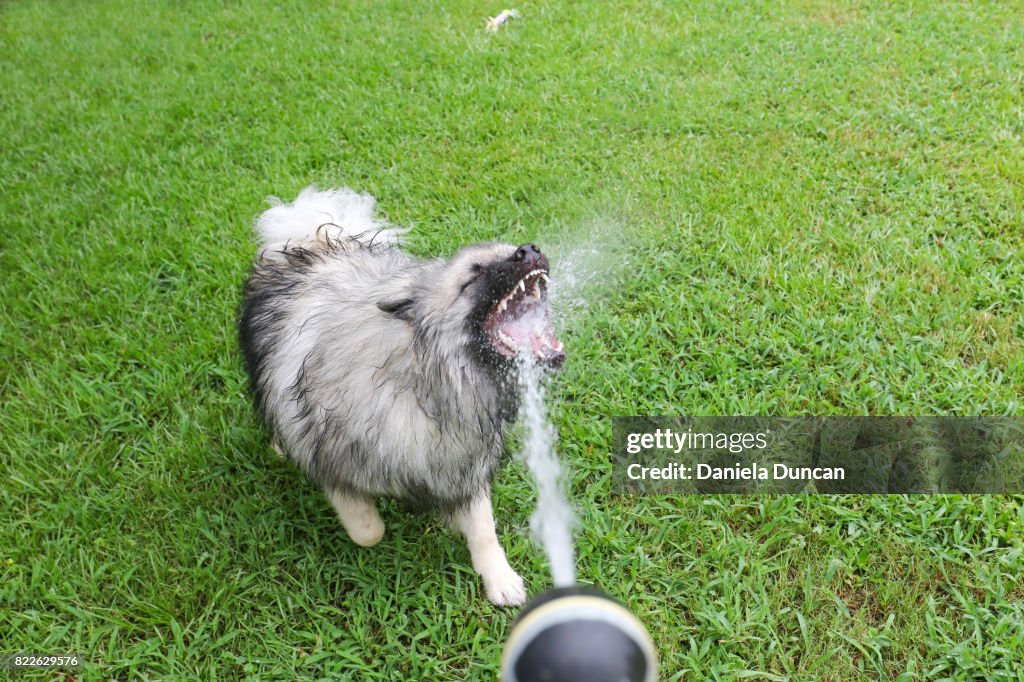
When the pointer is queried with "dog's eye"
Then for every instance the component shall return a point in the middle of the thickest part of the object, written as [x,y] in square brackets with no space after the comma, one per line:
[478,270]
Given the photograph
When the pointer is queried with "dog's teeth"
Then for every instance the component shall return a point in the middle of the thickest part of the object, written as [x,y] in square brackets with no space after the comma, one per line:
[502,305]
[522,285]
[507,340]
[544,277]
[536,288]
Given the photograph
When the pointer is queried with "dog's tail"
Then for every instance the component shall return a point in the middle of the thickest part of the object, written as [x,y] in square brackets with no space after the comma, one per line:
[324,214]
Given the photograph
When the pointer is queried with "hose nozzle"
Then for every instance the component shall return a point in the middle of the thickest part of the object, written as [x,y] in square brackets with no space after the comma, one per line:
[577,633]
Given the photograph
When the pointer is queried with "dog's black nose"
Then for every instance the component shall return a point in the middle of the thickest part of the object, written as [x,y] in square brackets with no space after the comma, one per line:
[528,253]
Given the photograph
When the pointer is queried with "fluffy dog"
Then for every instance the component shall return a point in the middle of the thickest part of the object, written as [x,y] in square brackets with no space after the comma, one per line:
[383,375]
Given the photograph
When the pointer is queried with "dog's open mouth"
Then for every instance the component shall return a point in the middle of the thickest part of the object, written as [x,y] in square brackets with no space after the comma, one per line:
[518,323]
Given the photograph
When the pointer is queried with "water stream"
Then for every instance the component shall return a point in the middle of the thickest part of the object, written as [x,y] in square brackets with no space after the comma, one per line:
[552,521]
[580,274]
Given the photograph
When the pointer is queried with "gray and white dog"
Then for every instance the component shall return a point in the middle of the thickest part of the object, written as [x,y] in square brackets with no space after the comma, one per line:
[383,375]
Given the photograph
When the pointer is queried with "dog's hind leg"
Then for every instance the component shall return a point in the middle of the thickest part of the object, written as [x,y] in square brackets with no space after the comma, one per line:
[359,516]
[476,521]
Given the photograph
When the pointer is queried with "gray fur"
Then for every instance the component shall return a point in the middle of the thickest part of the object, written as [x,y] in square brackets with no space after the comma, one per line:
[366,364]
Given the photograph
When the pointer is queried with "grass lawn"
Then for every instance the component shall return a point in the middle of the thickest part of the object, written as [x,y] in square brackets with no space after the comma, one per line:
[798,208]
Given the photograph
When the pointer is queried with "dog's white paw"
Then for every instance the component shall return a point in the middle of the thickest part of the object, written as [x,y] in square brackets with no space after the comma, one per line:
[367,531]
[506,588]
[359,517]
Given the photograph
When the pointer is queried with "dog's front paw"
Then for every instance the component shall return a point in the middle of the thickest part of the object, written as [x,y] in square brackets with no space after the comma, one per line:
[506,588]
[366,532]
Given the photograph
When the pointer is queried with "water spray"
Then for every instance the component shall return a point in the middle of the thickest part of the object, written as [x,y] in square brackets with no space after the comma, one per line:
[570,633]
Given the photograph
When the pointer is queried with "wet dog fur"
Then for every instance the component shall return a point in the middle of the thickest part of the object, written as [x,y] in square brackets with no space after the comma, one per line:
[380,374]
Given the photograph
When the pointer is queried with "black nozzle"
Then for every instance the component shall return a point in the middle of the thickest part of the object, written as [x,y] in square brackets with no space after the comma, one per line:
[578,633]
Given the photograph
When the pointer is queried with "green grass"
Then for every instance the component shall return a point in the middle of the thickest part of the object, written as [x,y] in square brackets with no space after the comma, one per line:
[803,208]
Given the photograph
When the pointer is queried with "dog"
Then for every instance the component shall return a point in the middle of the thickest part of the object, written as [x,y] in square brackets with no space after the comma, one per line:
[380,374]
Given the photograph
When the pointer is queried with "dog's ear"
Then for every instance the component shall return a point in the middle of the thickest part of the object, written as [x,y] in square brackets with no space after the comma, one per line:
[400,308]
